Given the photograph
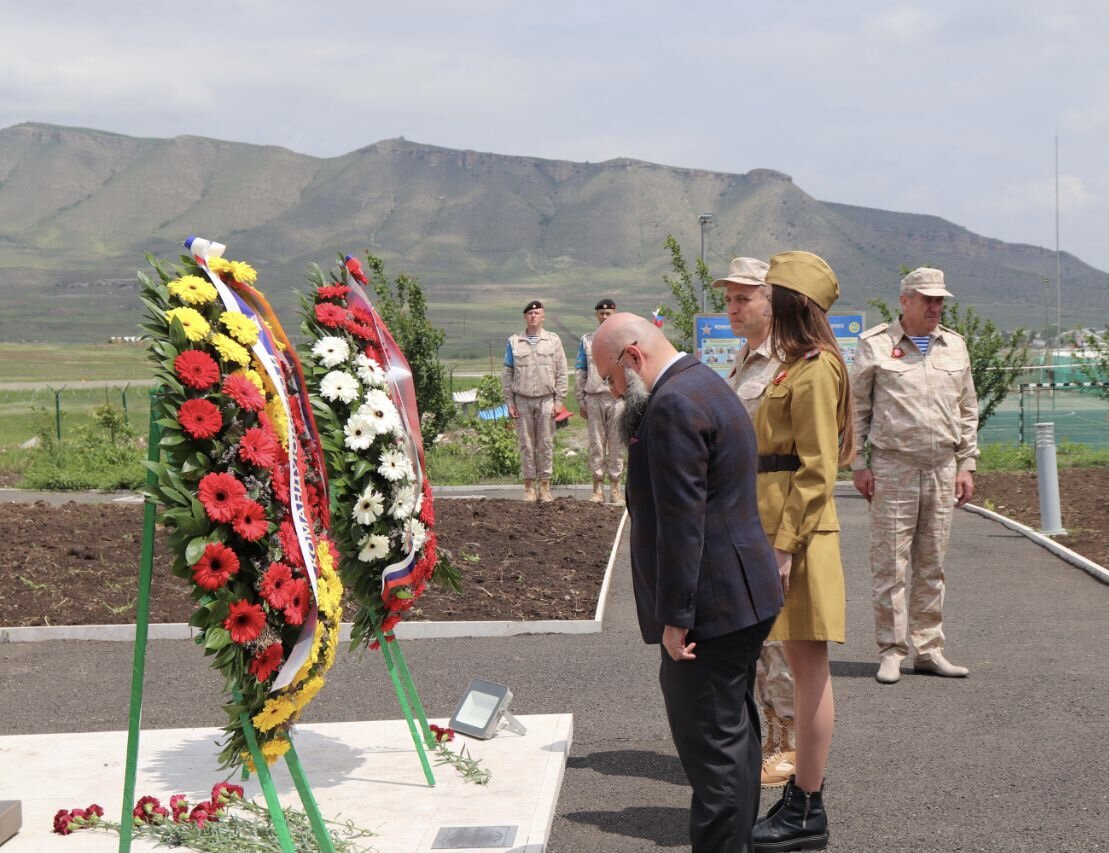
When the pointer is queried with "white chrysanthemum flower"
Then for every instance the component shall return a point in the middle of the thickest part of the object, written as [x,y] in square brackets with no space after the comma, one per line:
[404,501]
[369,371]
[373,547]
[359,433]
[331,351]
[395,466]
[415,530]
[377,406]
[339,385]
[369,507]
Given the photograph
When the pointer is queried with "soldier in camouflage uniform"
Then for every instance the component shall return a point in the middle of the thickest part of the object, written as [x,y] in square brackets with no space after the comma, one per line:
[602,413]
[747,301]
[914,399]
[535,383]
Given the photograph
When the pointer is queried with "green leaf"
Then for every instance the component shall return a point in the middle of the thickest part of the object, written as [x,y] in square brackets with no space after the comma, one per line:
[199,619]
[216,638]
[195,550]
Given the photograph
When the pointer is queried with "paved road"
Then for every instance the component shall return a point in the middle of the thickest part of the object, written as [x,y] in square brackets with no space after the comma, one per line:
[1014,758]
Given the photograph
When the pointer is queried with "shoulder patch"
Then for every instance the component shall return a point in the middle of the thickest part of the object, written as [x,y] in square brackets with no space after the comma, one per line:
[948,331]
[811,354]
[869,333]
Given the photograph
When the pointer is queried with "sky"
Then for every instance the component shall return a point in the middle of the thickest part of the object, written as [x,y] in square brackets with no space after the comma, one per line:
[944,108]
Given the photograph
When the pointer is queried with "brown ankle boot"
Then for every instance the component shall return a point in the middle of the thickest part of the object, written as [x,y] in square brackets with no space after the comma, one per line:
[529,491]
[777,768]
[617,492]
[598,496]
[545,491]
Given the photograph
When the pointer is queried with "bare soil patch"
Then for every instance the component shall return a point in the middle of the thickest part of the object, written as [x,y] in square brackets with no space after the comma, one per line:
[77,564]
[1083,496]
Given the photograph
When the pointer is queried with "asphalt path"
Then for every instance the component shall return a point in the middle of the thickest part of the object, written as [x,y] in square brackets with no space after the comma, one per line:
[1013,758]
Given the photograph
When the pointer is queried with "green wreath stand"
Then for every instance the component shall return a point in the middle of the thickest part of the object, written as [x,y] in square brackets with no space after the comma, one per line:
[399,674]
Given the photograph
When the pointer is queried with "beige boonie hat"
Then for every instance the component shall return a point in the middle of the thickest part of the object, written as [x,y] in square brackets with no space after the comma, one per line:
[926,281]
[744,271]
[805,273]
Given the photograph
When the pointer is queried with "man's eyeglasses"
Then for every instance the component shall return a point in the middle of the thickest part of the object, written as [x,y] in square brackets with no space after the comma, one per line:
[607,381]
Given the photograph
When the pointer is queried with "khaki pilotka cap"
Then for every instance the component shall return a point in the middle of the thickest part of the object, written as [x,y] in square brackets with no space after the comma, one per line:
[805,273]
[926,281]
[745,271]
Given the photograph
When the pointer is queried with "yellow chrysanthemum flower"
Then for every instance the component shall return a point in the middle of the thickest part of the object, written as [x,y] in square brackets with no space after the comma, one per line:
[192,290]
[308,692]
[275,712]
[271,751]
[196,327]
[280,343]
[243,272]
[280,419]
[314,655]
[332,642]
[219,265]
[231,350]
[240,326]
[252,375]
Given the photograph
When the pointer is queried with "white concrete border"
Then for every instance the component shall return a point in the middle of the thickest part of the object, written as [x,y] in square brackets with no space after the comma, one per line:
[404,631]
[1089,566]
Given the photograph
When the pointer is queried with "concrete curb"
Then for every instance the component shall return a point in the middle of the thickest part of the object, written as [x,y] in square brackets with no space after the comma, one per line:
[404,631]
[1091,568]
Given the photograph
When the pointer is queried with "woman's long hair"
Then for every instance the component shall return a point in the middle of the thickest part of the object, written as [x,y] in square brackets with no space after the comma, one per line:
[797,326]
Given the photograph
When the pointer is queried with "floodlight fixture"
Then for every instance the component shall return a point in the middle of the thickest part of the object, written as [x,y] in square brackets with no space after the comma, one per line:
[483,710]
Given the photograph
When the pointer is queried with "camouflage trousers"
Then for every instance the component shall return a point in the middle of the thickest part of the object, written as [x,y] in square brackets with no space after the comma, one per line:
[535,431]
[774,681]
[910,525]
[606,451]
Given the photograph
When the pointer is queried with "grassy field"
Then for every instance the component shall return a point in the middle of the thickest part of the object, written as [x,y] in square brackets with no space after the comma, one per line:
[62,365]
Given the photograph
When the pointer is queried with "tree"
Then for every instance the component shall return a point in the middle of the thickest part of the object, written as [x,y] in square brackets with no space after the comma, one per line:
[687,297]
[402,306]
[1096,369]
[995,356]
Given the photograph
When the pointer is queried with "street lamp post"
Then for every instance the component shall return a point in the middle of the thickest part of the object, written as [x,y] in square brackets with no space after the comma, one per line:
[703,220]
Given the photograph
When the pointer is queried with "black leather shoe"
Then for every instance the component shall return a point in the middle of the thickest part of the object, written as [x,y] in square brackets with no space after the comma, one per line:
[796,822]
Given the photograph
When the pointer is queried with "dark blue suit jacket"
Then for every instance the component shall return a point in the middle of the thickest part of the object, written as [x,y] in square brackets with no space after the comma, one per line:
[700,558]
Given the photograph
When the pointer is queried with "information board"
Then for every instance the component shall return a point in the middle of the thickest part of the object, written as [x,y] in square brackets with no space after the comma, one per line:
[717,345]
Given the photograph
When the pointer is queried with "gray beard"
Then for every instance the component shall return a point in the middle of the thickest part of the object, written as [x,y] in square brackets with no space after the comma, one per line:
[636,397]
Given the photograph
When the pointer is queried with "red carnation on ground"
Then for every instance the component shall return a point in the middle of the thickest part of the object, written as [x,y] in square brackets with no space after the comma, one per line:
[200,418]
[200,815]
[290,544]
[297,600]
[332,291]
[258,447]
[442,733]
[275,585]
[245,621]
[266,662]
[250,521]
[94,813]
[215,567]
[63,822]
[222,496]
[196,369]
[179,807]
[244,392]
[225,792]
[149,810]
[330,315]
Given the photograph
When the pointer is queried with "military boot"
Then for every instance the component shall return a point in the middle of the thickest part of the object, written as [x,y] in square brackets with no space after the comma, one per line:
[545,491]
[796,822]
[598,496]
[617,492]
[777,768]
[529,491]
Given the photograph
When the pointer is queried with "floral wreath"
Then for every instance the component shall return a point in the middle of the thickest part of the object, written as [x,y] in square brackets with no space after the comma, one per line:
[244,494]
[364,401]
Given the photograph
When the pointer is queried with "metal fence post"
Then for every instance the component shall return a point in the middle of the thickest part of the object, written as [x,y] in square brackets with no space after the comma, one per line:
[1047,474]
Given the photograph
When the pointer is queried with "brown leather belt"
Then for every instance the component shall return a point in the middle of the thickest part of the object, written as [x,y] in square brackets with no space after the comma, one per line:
[778,462]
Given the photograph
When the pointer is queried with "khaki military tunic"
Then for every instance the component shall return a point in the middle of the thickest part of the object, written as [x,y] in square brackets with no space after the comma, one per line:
[536,383]
[773,681]
[602,411]
[920,416]
[800,415]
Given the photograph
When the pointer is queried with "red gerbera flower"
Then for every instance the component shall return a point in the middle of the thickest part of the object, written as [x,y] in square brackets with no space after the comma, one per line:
[275,585]
[266,662]
[330,315]
[290,544]
[359,330]
[427,511]
[250,521]
[215,567]
[280,483]
[244,392]
[361,314]
[222,496]
[196,369]
[200,418]
[258,447]
[298,418]
[332,291]
[297,600]
[245,621]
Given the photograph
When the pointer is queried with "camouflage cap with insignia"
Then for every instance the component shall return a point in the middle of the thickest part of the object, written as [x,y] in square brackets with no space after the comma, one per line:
[805,273]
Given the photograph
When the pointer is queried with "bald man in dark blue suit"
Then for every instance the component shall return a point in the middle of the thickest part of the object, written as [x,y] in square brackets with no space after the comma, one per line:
[706,583]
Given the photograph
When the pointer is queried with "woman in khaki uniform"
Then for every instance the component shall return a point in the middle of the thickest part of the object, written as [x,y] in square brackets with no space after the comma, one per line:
[805,433]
